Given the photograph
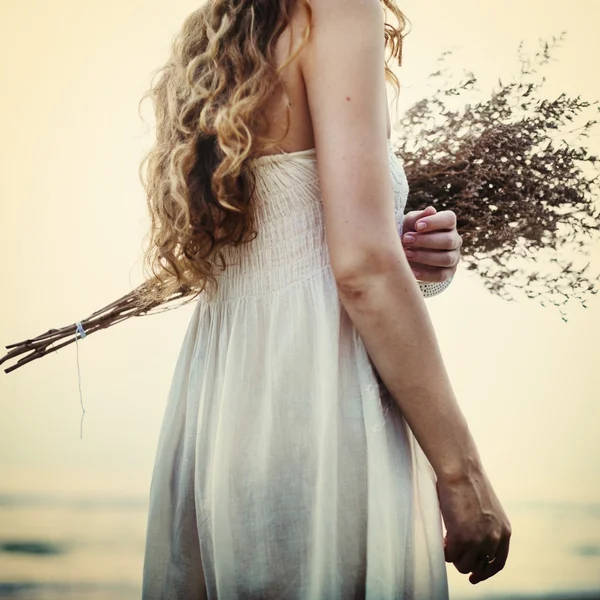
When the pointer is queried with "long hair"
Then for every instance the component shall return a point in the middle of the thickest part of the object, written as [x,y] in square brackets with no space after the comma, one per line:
[209,122]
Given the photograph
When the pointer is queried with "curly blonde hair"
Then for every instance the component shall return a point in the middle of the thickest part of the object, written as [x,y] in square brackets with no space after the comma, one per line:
[209,122]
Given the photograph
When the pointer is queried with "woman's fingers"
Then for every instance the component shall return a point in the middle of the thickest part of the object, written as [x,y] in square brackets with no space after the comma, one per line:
[433,255]
[429,274]
[473,560]
[433,258]
[410,218]
[434,240]
[466,557]
[482,573]
[469,560]
[453,550]
[445,219]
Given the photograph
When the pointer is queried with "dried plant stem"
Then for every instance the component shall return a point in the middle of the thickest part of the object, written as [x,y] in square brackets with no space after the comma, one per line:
[115,312]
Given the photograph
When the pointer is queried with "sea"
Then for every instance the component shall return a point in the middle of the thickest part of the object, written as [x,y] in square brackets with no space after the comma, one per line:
[67,547]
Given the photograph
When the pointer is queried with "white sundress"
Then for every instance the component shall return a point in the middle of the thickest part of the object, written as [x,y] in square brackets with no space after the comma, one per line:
[284,470]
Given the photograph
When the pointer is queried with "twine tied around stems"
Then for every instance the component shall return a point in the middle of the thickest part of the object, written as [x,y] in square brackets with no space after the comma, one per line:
[81,331]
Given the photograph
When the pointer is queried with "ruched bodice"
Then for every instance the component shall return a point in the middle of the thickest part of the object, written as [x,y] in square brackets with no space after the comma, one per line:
[291,244]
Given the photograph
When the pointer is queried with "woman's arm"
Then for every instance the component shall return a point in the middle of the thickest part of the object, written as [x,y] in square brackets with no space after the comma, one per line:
[343,71]
[346,92]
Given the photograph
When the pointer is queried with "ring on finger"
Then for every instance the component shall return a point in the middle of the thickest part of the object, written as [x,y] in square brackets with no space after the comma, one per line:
[485,560]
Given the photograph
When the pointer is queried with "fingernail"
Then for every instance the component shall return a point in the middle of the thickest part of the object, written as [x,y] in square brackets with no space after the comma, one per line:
[409,239]
[409,253]
[421,225]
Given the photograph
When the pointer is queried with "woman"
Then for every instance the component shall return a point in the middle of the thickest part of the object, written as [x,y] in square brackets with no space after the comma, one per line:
[305,450]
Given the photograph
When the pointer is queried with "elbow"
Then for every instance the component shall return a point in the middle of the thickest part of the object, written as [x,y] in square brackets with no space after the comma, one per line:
[355,276]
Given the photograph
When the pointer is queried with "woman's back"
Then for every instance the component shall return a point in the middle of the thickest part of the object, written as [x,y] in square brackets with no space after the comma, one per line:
[300,135]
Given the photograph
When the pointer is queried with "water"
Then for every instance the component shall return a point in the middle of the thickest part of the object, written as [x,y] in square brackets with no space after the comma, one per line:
[58,547]
[91,548]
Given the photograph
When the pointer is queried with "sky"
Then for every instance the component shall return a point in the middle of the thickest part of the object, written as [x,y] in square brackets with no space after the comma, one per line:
[73,215]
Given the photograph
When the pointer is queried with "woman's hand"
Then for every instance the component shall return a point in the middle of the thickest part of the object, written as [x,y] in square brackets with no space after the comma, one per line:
[476,526]
[436,248]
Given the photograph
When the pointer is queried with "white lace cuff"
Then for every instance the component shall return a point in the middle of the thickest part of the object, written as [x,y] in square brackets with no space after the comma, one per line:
[430,288]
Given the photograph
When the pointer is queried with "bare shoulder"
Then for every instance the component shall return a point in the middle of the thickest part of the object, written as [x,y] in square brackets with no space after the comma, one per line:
[338,26]
[335,17]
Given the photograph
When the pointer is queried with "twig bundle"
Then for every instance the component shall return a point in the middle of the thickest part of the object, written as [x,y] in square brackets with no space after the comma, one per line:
[513,169]
[124,308]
